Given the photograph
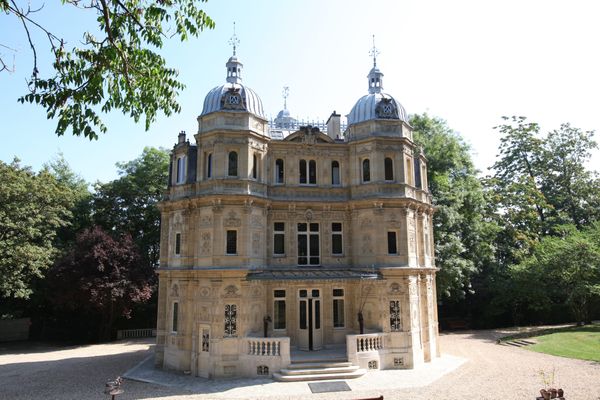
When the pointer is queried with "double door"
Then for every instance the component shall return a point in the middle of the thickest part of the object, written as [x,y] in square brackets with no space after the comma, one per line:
[310,332]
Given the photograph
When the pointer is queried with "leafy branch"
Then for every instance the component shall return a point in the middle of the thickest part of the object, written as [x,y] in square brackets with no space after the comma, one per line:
[121,69]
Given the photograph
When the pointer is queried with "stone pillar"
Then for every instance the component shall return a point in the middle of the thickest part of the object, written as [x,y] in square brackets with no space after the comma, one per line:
[161,328]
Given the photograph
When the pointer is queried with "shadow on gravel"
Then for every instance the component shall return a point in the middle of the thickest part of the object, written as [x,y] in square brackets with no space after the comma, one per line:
[31,347]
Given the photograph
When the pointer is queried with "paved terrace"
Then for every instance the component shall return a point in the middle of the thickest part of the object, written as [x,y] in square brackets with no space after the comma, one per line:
[473,367]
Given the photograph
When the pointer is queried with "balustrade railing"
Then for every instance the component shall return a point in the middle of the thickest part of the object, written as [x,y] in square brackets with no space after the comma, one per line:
[369,342]
[267,346]
[136,333]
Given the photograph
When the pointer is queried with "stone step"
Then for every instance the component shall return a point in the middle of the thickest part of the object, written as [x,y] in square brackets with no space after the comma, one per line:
[320,364]
[318,377]
[319,371]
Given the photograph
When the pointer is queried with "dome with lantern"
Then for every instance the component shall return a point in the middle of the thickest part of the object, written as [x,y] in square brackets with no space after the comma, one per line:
[376,104]
[233,95]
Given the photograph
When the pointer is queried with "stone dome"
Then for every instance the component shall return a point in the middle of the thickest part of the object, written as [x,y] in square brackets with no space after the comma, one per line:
[376,104]
[215,100]
[233,96]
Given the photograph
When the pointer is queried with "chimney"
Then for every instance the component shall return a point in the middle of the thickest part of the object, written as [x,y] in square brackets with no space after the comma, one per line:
[333,126]
[181,137]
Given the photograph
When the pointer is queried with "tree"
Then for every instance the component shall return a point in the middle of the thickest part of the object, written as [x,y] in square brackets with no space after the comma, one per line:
[129,204]
[116,66]
[565,267]
[33,207]
[460,231]
[572,189]
[103,276]
[79,193]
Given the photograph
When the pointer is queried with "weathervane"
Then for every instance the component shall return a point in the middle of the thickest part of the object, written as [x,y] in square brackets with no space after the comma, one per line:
[234,41]
[285,94]
[374,52]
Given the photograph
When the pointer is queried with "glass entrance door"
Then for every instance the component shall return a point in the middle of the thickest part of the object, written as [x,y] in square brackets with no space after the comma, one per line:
[310,334]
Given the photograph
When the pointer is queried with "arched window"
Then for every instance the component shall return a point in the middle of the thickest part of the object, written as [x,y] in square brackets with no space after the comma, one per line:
[303,172]
[232,169]
[389,169]
[209,165]
[335,173]
[254,167]
[312,172]
[181,170]
[366,170]
[279,171]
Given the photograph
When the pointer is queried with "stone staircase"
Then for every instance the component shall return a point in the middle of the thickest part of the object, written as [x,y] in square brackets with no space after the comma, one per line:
[517,342]
[316,370]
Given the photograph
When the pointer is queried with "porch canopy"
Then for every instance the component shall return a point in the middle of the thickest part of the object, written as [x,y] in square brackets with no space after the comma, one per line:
[301,273]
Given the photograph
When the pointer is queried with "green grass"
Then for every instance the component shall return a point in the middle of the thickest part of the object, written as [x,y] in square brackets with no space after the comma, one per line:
[581,342]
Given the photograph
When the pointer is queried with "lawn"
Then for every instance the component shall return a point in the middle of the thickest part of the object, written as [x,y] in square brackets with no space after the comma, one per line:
[582,342]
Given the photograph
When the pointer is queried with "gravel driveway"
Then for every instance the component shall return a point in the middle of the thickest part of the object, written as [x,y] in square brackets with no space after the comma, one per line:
[491,372]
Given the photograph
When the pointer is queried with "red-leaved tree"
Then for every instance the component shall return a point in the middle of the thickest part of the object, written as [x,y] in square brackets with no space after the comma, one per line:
[101,277]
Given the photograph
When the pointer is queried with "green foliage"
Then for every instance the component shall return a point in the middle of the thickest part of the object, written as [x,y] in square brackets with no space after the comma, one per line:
[129,204]
[566,268]
[33,207]
[81,197]
[119,68]
[460,231]
[101,276]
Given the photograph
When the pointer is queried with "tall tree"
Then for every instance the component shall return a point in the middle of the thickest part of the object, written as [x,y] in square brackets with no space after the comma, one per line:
[79,193]
[101,276]
[461,233]
[33,207]
[566,268]
[116,64]
[571,188]
[128,204]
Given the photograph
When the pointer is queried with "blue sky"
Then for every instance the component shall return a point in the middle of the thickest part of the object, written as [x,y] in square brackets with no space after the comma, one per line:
[469,62]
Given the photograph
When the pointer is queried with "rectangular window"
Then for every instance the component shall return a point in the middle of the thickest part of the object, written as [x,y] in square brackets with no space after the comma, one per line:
[303,171]
[392,245]
[395,324]
[338,308]
[279,309]
[230,320]
[175,318]
[231,242]
[336,238]
[308,244]
[279,238]
[177,243]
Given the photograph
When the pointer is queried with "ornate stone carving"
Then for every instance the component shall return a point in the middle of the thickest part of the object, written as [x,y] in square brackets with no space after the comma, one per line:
[206,221]
[308,214]
[255,243]
[367,247]
[231,291]
[256,222]
[204,291]
[205,247]
[217,206]
[394,288]
[232,220]
[175,290]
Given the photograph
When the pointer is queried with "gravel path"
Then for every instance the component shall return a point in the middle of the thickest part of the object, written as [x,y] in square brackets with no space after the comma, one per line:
[489,372]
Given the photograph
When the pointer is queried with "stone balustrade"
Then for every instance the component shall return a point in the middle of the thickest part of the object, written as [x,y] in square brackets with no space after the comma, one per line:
[264,346]
[369,342]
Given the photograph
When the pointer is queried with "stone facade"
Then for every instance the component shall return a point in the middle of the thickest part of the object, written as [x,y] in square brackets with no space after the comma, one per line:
[303,232]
